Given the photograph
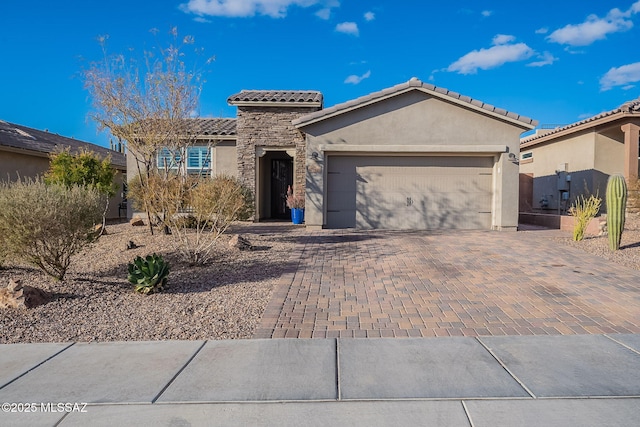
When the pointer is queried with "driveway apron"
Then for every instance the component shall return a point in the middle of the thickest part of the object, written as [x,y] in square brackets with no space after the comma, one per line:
[470,283]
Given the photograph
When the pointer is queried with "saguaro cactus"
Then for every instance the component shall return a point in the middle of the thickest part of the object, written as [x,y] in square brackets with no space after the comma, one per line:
[616,206]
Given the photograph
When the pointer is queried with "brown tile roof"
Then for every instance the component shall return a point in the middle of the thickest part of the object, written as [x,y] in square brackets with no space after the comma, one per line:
[414,83]
[629,107]
[286,97]
[215,126]
[25,138]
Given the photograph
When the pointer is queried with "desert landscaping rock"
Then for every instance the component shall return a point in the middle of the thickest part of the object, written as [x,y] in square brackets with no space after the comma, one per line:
[95,302]
[17,295]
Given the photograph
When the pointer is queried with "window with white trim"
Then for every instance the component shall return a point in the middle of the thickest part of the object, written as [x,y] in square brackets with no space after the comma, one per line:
[197,159]
[168,159]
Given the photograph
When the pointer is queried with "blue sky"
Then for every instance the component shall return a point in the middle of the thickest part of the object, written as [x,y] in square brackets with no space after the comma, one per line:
[557,62]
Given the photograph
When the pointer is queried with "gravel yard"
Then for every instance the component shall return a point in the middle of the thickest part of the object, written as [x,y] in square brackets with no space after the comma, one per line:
[96,302]
[223,300]
[629,253]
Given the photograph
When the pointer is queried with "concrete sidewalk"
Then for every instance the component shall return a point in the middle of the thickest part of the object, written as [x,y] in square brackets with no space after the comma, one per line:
[585,380]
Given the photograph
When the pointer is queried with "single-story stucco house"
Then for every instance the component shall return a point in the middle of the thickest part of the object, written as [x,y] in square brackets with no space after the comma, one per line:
[413,156]
[24,153]
[559,165]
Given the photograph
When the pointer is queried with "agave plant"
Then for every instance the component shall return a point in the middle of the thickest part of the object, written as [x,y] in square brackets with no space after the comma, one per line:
[148,275]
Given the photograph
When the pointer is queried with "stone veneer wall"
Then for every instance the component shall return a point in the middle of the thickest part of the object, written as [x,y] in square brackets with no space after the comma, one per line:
[270,127]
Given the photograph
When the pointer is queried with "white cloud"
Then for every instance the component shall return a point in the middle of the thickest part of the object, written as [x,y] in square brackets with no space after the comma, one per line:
[348,28]
[545,59]
[486,13]
[247,8]
[502,52]
[502,39]
[354,79]
[543,30]
[324,13]
[369,16]
[595,28]
[620,76]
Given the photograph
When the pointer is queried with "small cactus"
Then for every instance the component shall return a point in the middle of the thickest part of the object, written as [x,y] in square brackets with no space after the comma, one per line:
[149,274]
[616,207]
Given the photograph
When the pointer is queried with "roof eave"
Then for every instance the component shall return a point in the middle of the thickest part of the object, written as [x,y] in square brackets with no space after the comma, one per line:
[275,104]
[577,128]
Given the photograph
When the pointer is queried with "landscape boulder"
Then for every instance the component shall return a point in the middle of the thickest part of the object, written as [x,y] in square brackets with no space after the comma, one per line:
[136,222]
[16,295]
[240,242]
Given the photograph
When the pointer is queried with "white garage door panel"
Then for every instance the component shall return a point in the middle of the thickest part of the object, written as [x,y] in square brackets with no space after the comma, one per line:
[410,192]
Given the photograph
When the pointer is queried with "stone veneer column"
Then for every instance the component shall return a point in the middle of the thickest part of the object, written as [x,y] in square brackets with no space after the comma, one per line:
[270,127]
[631,138]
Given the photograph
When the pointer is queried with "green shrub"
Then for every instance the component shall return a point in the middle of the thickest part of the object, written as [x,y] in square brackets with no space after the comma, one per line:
[45,225]
[149,275]
[584,210]
[84,168]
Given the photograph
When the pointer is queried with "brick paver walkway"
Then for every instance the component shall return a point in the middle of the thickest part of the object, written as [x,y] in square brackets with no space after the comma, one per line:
[399,284]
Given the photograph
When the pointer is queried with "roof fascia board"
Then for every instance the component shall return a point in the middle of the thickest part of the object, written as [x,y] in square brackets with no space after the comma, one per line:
[216,137]
[24,151]
[276,104]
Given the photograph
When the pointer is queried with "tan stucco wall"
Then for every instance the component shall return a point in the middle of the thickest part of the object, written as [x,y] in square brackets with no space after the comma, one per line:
[420,120]
[577,151]
[30,166]
[609,153]
[225,159]
[27,166]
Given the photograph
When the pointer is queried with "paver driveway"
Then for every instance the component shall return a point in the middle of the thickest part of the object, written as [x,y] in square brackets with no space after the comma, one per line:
[475,283]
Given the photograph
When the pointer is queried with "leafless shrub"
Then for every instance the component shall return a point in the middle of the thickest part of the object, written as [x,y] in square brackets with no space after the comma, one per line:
[196,210]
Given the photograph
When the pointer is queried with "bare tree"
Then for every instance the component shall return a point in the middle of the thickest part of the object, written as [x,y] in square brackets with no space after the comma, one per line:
[149,104]
[147,101]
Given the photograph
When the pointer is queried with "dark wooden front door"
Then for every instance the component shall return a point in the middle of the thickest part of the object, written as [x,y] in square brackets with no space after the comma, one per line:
[281,179]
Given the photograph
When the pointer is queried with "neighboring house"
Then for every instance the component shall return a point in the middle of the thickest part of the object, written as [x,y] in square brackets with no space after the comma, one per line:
[24,153]
[413,156]
[561,164]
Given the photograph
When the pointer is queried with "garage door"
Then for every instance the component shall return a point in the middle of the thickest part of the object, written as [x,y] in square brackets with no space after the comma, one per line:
[409,193]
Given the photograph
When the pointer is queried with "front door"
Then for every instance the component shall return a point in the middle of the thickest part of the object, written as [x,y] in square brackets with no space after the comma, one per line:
[281,179]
